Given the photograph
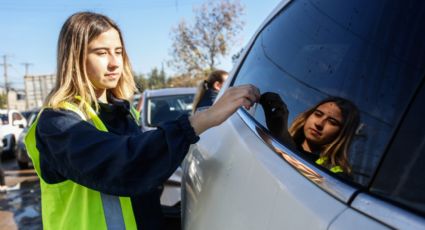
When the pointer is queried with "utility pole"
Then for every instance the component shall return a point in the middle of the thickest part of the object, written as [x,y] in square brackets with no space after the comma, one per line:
[27,65]
[6,84]
[26,77]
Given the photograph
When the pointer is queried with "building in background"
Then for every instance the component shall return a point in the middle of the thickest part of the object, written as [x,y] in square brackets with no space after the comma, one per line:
[37,88]
[16,99]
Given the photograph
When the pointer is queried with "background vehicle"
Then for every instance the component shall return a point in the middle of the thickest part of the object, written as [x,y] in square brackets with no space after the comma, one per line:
[160,105]
[22,157]
[12,124]
[239,176]
[157,106]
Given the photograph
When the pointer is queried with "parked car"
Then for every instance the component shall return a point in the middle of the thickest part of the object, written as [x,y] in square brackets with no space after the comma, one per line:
[12,124]
[240,176]
[22,158]
[160,105]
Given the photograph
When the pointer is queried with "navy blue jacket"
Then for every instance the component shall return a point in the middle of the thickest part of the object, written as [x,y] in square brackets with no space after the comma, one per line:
[123,161]
[207,99]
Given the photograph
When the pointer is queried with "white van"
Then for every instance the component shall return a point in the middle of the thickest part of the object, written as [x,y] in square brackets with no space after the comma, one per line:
[12,123]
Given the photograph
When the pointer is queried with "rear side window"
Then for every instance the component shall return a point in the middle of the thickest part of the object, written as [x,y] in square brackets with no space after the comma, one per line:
[401,176]
[368,52]
[17,116]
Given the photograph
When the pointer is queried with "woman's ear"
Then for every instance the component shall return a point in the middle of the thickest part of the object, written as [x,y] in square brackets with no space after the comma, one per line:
[217,85]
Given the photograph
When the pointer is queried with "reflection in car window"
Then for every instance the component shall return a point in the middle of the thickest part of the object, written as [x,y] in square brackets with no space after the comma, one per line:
[364,53]
[321,134]
[166,108]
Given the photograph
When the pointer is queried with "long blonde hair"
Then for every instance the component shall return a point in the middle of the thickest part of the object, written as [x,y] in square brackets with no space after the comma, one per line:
[336,151]
[216,75]
[72,79]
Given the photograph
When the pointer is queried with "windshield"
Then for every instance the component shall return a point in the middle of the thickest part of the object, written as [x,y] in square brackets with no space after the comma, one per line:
[166,108]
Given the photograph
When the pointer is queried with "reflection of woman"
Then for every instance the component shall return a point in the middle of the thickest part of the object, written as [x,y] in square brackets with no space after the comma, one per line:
[208,89]
[323,133]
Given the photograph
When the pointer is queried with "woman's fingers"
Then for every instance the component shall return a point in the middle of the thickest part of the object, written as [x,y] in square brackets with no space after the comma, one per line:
[225,106]
[244,95]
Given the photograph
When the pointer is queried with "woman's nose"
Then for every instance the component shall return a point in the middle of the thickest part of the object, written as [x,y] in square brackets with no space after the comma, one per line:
[113,61]
[319,123]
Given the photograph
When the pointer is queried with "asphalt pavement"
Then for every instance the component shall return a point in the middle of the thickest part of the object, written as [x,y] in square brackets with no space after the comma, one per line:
[20,204]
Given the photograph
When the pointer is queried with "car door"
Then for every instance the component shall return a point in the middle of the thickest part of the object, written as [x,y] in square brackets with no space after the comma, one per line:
[240,176]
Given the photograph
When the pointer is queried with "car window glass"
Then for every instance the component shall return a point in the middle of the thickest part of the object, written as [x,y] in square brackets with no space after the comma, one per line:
[368,52]
[401,176]
[166,108]
[16,116]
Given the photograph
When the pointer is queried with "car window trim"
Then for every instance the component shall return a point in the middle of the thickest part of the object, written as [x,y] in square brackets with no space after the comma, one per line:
[387,213]
[338,189]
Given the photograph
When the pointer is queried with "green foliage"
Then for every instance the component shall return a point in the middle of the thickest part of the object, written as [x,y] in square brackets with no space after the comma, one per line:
[141,82]
[3,101]
[155,79]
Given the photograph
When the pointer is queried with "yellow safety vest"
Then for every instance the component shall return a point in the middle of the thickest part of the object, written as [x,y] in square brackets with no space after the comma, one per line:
[334,169]
[68,205]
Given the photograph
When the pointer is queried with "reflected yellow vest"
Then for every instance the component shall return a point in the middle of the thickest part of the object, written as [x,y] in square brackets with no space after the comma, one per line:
[68,205]
[334,169]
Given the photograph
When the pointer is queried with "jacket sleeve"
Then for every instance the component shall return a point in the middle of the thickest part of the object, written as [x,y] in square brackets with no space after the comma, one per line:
[125,165]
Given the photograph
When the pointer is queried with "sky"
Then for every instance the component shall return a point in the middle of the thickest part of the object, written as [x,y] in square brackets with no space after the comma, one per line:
[29,30]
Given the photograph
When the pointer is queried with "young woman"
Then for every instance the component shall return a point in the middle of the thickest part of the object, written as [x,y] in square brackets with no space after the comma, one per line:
[208,90]
[323,133]
[97,169]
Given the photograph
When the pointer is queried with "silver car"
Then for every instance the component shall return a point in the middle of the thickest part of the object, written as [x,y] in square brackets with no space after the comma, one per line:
[372,53]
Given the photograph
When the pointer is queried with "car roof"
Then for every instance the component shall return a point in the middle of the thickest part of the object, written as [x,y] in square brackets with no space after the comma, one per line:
[168,91]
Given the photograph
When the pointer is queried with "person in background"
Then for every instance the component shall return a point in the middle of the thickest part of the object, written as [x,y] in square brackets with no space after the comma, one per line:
[208,90]
[97,169]
[322,134]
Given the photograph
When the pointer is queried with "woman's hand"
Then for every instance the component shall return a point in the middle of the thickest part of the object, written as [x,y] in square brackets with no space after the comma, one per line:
[276,113]
[224,107]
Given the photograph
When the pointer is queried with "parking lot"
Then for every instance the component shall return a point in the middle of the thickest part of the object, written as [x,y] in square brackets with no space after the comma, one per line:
[20,204]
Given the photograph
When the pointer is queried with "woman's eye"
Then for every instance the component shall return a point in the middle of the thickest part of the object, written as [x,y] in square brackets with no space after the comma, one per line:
[101,53]
[334,122]
[318,113]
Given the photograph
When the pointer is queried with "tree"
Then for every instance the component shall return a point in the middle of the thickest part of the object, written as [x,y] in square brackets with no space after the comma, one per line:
[185,81]
[199,47]
[141,82]
[3,100]
[156,79]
